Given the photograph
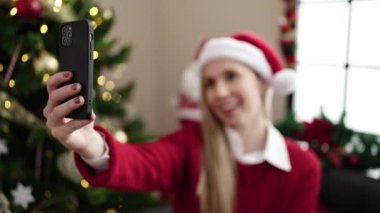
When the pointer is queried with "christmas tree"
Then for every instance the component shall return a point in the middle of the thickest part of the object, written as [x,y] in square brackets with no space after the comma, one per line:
[36,173]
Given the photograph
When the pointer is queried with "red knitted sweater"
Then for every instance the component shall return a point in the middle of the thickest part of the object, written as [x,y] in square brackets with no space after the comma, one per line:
[172,164]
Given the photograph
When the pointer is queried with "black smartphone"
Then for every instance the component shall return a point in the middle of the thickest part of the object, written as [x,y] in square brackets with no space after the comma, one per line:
[76,42]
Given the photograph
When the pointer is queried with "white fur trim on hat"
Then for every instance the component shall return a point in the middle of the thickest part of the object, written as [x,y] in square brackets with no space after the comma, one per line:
[284,81]
[230,48]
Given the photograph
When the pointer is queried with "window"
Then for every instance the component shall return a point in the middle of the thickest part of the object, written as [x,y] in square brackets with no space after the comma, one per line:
[338,62]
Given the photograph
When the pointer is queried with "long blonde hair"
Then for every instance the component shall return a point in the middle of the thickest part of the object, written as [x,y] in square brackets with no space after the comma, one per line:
[216,187]
[217,184]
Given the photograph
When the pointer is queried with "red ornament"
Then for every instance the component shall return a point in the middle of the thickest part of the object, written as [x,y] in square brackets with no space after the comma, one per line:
[29,9]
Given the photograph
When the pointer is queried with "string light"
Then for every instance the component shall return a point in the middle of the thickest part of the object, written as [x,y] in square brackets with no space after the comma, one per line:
[94,11]
[7,104]
[106,96]
[110,85]
[101,80]
[13,11]
[25,57]
[84,184]
[45,78]
[94,25]
[44,28]
[57,6]
[12,83]
[111,211]
[1,67]
[117,98]
[95,55]
[98,21]
[58,3]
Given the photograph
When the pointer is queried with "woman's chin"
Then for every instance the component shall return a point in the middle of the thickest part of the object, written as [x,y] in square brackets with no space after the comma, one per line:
[232,123]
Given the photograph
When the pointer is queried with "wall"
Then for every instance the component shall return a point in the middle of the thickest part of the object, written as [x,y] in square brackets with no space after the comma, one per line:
[164,35]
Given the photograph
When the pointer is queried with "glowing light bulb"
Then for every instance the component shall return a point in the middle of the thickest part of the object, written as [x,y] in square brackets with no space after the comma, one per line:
[84,184]
[110,85]
[45,78]
[44,29]
[25,57]
[7,104]
[94,11]
[95,55]
[13,11]
[106,96]
[101,80]
[12,83]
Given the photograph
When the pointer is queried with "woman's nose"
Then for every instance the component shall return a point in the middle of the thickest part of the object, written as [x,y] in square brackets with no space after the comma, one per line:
[221,90]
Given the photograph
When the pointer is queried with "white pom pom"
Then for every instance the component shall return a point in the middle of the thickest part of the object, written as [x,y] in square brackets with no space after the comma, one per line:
[190,82]
[284,81]
[190,91]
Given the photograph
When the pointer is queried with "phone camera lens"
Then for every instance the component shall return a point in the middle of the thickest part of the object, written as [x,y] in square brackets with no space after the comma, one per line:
[67,35]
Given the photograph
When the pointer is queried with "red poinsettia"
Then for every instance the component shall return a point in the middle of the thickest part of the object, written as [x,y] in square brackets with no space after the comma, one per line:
[317,131]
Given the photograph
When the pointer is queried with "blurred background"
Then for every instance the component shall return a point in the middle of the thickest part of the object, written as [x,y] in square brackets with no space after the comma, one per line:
[141,49]
[164,36]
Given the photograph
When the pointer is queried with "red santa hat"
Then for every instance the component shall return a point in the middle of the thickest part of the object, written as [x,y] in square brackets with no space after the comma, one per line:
[256,53]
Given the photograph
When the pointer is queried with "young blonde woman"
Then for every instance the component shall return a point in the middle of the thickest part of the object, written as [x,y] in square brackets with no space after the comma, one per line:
[237,161]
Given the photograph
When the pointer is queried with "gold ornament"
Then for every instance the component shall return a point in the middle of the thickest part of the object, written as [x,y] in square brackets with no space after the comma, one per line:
[66,166]
[4,204]
[17,113]
[45,63]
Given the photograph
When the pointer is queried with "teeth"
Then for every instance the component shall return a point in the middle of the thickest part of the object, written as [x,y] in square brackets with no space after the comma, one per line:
[228,106]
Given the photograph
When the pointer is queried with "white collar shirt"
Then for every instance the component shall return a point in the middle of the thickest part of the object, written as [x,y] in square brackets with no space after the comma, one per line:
[275,151]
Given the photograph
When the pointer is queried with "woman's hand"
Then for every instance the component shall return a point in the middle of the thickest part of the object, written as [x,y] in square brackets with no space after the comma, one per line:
[77,135]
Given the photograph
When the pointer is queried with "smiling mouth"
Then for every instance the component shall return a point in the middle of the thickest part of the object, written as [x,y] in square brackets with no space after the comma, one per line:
[228,109]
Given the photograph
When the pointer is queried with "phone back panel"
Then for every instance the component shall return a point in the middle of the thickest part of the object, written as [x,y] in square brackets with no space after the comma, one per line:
[75,55]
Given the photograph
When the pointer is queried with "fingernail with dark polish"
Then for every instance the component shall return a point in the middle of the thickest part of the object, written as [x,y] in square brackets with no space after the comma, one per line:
[66,74]
[74,86]
[77,100]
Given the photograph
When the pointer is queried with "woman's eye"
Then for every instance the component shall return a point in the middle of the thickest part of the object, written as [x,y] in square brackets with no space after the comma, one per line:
[209,83]
[231,75]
